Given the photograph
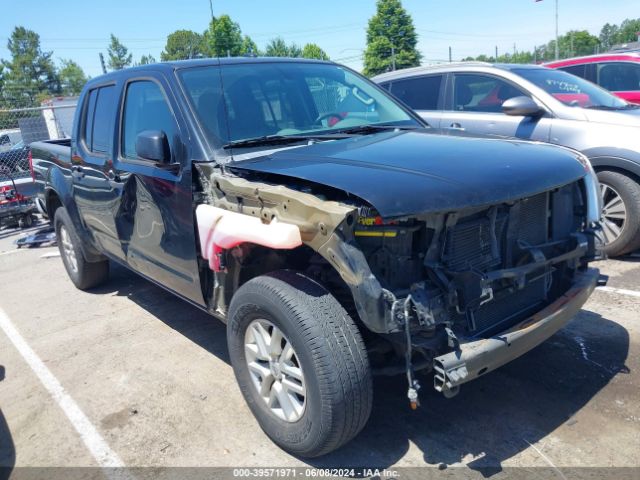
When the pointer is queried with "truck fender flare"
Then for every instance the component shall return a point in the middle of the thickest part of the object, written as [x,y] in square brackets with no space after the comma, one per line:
[60,186]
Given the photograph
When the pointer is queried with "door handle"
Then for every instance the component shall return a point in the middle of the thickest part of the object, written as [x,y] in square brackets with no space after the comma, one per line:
[77,171]
[456,126]
[113,176]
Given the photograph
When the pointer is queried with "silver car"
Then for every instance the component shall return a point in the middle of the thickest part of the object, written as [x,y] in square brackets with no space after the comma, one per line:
[538,103]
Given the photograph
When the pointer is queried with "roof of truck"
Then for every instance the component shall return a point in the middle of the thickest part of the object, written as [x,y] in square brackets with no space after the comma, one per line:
[201,62]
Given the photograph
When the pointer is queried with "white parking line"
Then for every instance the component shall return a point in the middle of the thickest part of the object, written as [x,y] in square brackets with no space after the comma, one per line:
[620,291]
[99,449]
[9,252]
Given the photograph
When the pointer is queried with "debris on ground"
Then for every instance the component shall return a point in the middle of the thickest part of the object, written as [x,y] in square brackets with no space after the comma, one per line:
[40,238]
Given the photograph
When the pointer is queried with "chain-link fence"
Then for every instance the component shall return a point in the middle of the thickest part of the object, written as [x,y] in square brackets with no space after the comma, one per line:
[21,126]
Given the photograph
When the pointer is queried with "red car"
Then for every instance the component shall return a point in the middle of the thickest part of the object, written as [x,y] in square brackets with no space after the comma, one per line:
[618,72]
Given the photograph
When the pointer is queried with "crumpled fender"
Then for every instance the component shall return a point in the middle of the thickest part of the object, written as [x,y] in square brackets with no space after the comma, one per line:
[221,230]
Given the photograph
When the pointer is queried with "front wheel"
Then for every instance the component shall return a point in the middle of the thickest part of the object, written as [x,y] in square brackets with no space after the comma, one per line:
[620,213]
[300,362]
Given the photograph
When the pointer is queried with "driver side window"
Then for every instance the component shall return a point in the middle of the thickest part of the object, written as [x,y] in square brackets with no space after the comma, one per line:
[482,93]
[145,108]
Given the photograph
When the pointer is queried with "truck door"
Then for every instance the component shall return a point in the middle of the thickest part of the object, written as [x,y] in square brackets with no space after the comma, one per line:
[154,215]
[91,157]
[474,105]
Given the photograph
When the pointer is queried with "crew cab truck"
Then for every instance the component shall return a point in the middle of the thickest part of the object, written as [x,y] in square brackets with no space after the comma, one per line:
[335,233]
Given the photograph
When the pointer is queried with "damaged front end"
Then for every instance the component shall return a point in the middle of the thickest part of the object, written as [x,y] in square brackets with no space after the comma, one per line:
[458,292]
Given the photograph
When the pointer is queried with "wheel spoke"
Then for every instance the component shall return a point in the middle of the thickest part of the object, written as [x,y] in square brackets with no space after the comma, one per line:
[285,401]
[265,379]
[287,353]
[261,337]
[611,230]
[293,387]
[292,371]
[275,347]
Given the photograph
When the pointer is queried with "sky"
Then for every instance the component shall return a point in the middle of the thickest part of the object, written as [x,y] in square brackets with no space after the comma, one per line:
[80,29]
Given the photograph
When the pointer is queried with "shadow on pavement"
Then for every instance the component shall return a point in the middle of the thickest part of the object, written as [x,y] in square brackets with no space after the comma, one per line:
[490,421]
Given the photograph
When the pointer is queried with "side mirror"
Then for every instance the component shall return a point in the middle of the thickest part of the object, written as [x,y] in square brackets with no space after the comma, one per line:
[522,107]
[153,145]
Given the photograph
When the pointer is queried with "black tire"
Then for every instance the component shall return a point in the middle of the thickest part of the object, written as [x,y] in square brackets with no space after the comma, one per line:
[330,351]
[629,191]
[25,221]
[85,275]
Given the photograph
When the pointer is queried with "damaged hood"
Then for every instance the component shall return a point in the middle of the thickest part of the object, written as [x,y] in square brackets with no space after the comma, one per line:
[411,172]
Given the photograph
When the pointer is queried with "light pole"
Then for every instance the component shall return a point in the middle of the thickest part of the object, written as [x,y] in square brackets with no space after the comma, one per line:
[557,46]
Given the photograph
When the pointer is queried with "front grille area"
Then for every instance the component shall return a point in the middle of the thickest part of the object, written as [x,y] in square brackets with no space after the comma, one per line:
[489,241]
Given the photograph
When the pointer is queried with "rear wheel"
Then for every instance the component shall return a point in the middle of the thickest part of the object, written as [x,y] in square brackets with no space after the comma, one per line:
[300,363]
[620,213]
[83,274]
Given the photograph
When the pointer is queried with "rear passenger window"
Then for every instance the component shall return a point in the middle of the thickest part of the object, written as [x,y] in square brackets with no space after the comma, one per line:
[577,70]
[103,119]
[101,105]
[88,122]
[619,76]
[145,108]
[420,93]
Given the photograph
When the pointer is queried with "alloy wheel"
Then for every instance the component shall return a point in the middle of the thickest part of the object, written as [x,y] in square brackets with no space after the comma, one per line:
[614,213]
[275,370]
[67,249]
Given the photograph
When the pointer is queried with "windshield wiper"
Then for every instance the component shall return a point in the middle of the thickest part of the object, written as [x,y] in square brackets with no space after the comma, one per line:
[614,109]
[372,128]
[280,140]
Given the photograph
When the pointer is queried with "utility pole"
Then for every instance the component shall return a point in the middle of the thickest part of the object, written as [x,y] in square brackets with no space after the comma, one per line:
[450,55]
[535,54]
[557,45]
[211,9]
[496,54]
[104,69]
[393,58]
[514,50]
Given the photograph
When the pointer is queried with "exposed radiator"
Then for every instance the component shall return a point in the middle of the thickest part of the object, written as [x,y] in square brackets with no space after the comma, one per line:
[472,244]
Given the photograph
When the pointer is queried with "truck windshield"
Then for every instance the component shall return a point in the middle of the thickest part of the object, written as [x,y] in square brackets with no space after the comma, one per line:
[264,100]
[571,90]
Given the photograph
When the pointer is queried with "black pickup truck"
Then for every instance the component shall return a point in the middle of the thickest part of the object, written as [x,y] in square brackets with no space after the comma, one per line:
[335,233]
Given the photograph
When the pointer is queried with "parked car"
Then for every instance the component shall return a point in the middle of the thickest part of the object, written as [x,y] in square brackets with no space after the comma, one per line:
[8,138]
[537,103]
[618,72]
[334,233]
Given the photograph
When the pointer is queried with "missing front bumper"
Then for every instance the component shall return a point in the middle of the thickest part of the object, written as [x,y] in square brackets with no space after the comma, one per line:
[476,358]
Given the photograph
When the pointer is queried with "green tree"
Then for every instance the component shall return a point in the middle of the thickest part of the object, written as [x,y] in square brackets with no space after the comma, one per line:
[224,37]
[277,47]
[30,74]
[72,78]
[119,56]
[183,45]
[608,36]
[249,47]
[627,31]
[146,60]
[391,39]
[311,50]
